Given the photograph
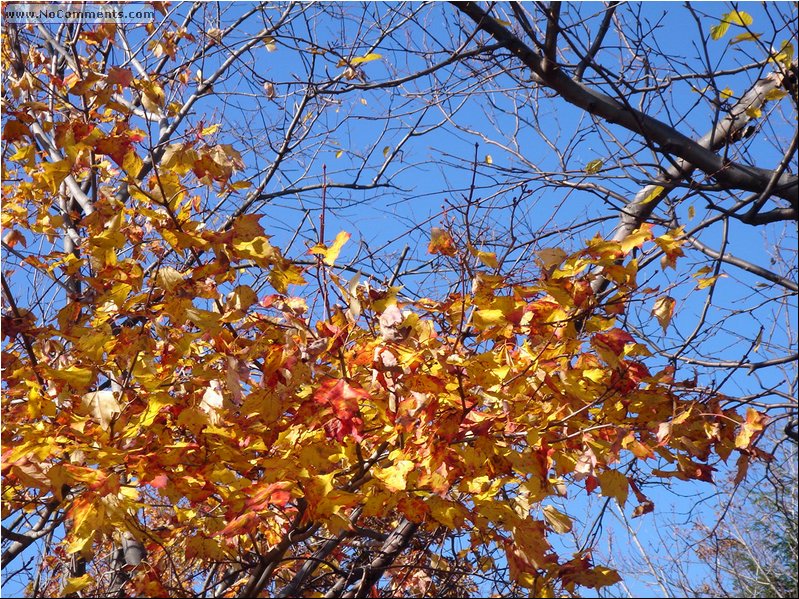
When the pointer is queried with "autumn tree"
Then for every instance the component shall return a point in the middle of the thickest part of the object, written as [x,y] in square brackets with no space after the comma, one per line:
[366,299]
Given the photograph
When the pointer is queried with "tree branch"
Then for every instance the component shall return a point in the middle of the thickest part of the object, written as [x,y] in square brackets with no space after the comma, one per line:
[668,139]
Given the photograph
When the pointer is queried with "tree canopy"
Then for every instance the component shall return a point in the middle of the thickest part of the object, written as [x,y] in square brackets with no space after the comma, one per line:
[369,299]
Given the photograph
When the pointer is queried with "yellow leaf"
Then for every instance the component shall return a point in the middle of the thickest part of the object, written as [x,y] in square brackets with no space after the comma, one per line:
[263,403]
[489,318]
[394,477]
[168,278]
[745,37]
[636,238]
[131,163]
[691,212]
[487,258]
[595,374]
[502,22]
[708,281]
[283,274]
[86,519]
[203,319]
[551,257]
[754,112]
[717,31]
[671,243]
[489,160]
[450,514]
[25,154]
[76,584]
[386,151]
[775,94]
[270,43]
[339,154]
[362,59]
[80,378]
[735,17]
[102,406]
[754,424]
[738,17]
[594,167]
[259,250]
[329,254]
[614,484]
[664,310]
[54,173]
[210,130]
[179,158]
[726,93]
[559,522]
[785,55]
[654,194]
[241,298]
[701,272]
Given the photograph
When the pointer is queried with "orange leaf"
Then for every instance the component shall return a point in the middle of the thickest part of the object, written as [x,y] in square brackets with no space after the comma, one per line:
[441,242]
[754,423]
[343,398]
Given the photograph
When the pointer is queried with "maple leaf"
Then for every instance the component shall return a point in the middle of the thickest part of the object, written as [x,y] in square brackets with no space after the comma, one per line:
[102,406]
[78,377]
[615,339]
[414,508]
[15,130]
[559,522]
[637,238]
[344,399]
[395,475]
[671,243]
[329,254]
[54,173]
[614,484]
[119,76]
[76,584]
[753,424]
[441,242]
[664,310]
[264,495]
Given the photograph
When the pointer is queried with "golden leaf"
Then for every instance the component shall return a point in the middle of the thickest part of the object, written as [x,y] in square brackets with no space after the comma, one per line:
[664,310]
[614,484]
[102,406]
[329,254]
[559,522]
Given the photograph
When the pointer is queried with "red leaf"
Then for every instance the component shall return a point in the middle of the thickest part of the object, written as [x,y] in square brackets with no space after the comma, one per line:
[119,76]
[160,481]
[615,339]
[271,494]
[343,398]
